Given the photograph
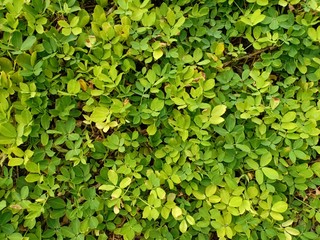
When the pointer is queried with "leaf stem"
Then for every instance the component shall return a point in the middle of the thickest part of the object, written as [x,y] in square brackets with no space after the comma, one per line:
[249,55]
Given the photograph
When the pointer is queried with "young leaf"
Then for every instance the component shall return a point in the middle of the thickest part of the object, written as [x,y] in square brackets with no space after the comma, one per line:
[270,173]
[183,227]
[28,43]
[113,177]
[125,182]
[280,207]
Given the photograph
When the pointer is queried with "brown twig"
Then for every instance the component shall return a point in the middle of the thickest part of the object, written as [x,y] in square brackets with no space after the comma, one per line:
[249,55]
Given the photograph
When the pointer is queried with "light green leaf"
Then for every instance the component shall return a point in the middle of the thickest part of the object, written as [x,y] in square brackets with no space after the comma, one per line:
[161,193]
[63,23]
[107,187]
[199,195]
[5,64]
[235,202]
[157,104]
[190,220]
[218,110]
[289,117]
[197,55]
[276,216]
[113,177]
[116,193]
[210,190]
[270,173]
[146,212]
[73,86]
[151,129]
[262,2]
[265,159]
[76,30]
[280,207]
[28,43]
[183,227]
[15,162]
[219,49]
[243,147]
[259,176]
[312,34]
[3,204]
[32,167]
[125,182]
[176,212]
[257,17]
[171,17]
[157,53]
[292,231]
[8,130]
[32,177]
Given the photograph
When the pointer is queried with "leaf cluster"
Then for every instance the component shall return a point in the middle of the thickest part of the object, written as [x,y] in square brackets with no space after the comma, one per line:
[153,119]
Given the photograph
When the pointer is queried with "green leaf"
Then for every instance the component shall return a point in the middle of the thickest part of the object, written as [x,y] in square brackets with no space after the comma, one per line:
[208,84]
[15,162]
[313,34]
[3,204]
[24,192]
[125,182]
[243,147]
[270,173]
[257,17]
[107,187]
[165,212]
[32,167]
[157,104]
[265,159]
[5,64]
[32,177]
[161,193]
[157,53]
[151,130]
[219,49]
[218,110]
[116,193]
[316,168]
[113,177]
[146,212]
[28,43]
[176,212]
[8,130]
[67,232]
[73,86]
[262,2]
[288,117]
[199,195]
[190,220]
[76,30]
[171,17]
[235,202]
[301,155]
[292,231]
[210,190]
[280,207]
[276,216]
[56,203]
[259,176]
[197,55]
[183,227]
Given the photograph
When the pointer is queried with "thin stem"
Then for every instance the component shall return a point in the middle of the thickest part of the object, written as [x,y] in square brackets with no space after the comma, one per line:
[246,57]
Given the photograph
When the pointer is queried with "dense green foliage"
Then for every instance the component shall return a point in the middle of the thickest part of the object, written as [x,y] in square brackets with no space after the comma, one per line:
[153,119]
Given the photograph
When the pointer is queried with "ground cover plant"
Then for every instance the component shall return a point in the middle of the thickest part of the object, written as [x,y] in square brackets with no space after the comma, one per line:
[144,119]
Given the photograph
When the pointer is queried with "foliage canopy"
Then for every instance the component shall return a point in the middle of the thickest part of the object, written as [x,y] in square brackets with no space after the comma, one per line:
[153,119]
